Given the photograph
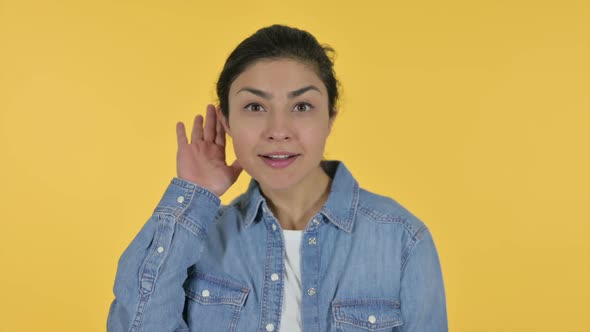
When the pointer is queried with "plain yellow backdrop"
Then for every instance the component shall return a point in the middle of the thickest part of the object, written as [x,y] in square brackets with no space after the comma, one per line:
[475,115]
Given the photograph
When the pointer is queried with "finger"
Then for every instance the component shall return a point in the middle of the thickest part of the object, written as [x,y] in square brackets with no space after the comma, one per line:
[181,133]
[220,132]
[209,134]
[197,133]
[220,136]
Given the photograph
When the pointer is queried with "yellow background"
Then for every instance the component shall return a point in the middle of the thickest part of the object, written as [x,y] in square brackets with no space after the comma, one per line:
[475,115]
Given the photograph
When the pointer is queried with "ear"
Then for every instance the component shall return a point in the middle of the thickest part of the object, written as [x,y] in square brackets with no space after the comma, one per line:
[223,120]
[332,119]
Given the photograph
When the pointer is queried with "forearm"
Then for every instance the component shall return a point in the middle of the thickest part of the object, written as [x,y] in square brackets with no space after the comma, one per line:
[148,284]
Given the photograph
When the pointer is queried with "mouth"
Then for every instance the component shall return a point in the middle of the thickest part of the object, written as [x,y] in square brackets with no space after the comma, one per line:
[279,160]
[279,156]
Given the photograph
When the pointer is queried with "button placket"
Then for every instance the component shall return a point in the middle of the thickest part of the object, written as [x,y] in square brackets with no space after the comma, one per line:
[274,259]
[310,268]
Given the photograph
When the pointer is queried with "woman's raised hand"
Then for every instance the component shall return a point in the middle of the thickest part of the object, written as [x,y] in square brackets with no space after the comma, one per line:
[202,161]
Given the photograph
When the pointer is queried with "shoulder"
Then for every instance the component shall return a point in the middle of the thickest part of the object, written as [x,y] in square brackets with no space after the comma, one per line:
[381,209]
[237,206]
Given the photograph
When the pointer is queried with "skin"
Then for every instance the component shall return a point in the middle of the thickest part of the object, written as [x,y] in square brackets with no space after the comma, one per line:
[263,124]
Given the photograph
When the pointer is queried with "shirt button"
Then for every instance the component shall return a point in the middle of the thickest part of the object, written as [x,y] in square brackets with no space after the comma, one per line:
[205,293]
[270,327]
[274,277]
[160,249]
[274,227]
[180,199]
[315,221]
[311,291]
[312,241]
[372,319]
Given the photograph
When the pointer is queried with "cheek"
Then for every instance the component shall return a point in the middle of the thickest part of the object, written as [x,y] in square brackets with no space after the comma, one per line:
[243,142]
[314,135]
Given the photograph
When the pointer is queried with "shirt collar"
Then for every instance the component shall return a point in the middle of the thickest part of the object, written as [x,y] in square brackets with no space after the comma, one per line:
[340,208]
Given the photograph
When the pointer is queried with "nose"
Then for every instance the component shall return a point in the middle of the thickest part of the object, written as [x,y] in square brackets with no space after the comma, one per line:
[278,127]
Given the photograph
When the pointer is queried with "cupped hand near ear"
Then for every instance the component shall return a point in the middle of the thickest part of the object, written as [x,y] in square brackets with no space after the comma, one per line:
[202,161]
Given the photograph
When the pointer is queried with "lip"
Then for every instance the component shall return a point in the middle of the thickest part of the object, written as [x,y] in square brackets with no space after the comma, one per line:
[279,153]
[282,163]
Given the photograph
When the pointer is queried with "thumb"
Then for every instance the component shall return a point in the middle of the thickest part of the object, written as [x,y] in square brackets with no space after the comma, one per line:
[236,168]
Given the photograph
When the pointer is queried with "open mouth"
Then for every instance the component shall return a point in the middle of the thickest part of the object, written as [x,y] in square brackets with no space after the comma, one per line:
[279,161]
[280,157]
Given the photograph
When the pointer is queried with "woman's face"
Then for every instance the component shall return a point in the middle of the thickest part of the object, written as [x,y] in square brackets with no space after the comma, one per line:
[279,106]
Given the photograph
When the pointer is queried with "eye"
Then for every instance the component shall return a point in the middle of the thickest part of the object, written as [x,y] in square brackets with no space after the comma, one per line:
[303,107]
[254,107]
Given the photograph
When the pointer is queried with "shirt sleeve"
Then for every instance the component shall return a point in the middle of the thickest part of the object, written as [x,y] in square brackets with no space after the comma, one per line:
[423,300]
[150,273]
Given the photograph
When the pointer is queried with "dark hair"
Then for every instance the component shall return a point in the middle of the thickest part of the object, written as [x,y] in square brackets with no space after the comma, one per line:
[279,42]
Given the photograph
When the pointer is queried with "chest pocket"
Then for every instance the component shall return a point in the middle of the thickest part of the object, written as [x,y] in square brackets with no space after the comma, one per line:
[356,315]
[213,303]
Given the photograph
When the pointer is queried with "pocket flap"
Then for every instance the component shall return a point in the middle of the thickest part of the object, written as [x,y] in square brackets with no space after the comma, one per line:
[207,288]
[369,314]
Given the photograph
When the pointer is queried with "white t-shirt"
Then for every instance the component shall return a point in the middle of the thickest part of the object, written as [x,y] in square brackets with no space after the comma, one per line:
[291,313]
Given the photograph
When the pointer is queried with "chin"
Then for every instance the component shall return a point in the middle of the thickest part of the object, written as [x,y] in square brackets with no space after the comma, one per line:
[276,183]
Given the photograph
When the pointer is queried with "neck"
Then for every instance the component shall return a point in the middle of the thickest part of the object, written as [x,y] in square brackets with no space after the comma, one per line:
[294,207]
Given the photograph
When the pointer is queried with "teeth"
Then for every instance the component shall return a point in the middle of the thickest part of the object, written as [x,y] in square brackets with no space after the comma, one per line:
[279,156]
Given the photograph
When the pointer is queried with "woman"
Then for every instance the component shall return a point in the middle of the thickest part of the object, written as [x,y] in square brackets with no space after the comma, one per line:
[304,248]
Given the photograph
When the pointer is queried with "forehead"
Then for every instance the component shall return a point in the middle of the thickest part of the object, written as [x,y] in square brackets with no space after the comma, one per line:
[277,75]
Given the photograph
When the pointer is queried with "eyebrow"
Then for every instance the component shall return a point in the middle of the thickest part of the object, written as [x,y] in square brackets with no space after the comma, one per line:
[291,94]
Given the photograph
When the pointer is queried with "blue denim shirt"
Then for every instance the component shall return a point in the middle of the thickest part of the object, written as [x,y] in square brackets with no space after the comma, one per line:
[367,264]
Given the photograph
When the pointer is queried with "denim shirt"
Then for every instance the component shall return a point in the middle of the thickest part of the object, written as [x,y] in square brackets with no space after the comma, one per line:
[367,264]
